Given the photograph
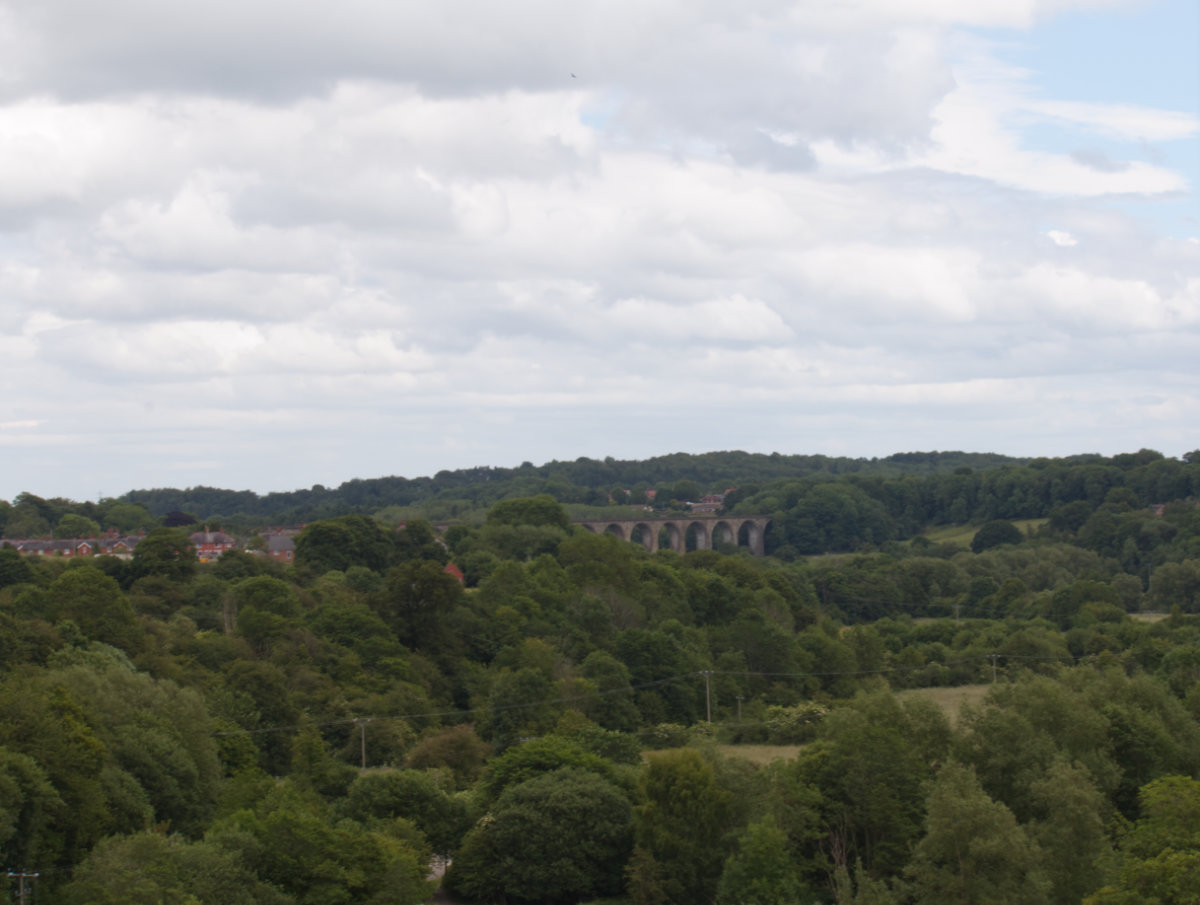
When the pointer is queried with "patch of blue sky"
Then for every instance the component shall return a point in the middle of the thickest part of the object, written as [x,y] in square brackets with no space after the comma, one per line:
[1144,54]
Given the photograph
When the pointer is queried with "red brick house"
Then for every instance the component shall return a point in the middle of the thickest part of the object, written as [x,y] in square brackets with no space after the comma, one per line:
[211,544]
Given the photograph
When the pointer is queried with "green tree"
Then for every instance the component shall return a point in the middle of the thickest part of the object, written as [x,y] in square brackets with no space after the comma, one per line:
[48,726]
[417,597]
[761,871]
[539,510]
[290,840]
[166,552]
[560,837]
[993,534]
[153,869]
[1159,861]
[973,851]
[871,762]
[612,707]
[456,748]
[336,544]
[127,517]
[517,706]
[680,831]
[413,795]
[73,525]
[156,732]
[30,516]
[537,757]
[13,568]
[29,808]
[96,604]
[1070,831]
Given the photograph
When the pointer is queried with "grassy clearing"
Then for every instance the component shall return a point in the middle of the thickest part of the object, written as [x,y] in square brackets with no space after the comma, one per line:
[761,755]
[962,535]
[950,700]
[1149,617]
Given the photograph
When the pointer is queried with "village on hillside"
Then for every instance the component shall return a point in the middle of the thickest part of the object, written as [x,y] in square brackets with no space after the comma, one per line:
[278,544]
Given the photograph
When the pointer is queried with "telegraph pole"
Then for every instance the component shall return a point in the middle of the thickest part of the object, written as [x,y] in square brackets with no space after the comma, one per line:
[361,723]
[21,876]
[707,695]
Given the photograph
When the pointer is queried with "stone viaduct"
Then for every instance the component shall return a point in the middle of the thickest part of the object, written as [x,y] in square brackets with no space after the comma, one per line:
[674,533]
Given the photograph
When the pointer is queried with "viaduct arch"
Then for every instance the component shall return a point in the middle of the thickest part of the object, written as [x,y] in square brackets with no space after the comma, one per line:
[742,530]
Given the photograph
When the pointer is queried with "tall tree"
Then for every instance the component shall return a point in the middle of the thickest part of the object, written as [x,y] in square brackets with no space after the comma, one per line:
[973,851]
[560,837]
[680,831]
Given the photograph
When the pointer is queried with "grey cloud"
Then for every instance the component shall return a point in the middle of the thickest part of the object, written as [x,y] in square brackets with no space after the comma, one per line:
[1098,160]
[707,72]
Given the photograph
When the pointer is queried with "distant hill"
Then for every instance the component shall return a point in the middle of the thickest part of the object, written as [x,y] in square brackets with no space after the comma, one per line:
[584,480]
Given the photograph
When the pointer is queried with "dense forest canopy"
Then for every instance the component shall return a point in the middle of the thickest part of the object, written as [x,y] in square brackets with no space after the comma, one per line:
[585,481]
[571,718]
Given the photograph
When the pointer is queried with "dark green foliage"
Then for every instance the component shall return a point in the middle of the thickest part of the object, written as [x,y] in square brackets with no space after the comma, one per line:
[73,525]
[559,837]
[1069,827]
[761,871]
[150,869]
[538,510]
[537,757]
[13,568]
[577,650]
[291,841]
[413,795]
[96,604]
[871,763]
[612,705]
[416,600]
[1160,856]
[680,831]
[29,809]
[457,749]
[166,552]
[349,540]
[995,533]
[973,850]
[518,707]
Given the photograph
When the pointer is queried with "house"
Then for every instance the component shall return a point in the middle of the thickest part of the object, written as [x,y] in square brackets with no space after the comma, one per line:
[72,547]
[710,503]
[120,547]
[211,544]
[280,546]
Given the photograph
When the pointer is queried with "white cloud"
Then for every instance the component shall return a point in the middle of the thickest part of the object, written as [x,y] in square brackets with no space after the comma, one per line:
[401,222]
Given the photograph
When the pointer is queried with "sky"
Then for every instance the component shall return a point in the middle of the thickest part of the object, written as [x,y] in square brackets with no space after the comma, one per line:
[262,246]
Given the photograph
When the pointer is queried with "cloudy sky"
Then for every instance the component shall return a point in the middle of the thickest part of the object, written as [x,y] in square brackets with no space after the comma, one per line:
[264,245]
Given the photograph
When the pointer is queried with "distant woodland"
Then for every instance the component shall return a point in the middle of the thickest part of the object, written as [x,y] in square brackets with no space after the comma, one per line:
[451,671]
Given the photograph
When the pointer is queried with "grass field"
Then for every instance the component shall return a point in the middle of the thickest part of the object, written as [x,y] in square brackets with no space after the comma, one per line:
[760,754]
[962,535]
[950,699]
[1149,617]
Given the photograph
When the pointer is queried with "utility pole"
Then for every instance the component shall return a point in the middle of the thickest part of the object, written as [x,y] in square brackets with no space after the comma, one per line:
[361,723]
[994,656]
[739,700]
[707,695]
[21,876]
